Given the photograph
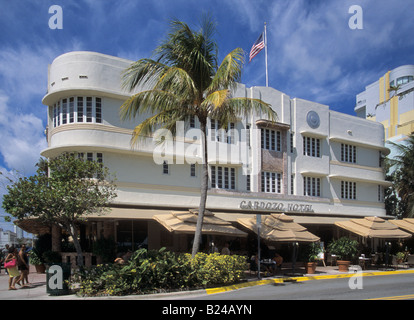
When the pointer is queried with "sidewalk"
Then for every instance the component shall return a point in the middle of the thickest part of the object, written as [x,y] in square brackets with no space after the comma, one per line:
[37,290]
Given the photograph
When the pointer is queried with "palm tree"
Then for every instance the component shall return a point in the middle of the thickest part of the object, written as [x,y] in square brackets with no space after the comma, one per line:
[186,81]
[403,175]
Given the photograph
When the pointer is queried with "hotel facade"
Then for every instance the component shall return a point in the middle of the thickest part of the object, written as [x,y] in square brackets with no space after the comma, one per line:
[314,164]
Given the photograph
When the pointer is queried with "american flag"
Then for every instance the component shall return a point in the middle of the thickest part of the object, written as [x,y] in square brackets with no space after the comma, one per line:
[257,47]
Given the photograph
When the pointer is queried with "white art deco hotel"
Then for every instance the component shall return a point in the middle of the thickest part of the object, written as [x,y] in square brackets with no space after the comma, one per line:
[314,164]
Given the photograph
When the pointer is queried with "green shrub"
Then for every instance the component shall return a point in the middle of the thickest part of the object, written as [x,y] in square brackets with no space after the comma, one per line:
[213,269]
[155,271]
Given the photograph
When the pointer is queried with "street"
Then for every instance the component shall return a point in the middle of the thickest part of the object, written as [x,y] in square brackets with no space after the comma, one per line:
[393,287]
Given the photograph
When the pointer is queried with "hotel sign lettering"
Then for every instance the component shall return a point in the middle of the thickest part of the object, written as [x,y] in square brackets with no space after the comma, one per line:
[275,206]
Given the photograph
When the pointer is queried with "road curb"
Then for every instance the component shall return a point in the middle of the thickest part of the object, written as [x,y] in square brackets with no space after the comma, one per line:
[303,279]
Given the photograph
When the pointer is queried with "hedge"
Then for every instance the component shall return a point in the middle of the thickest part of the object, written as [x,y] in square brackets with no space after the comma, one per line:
[159,271]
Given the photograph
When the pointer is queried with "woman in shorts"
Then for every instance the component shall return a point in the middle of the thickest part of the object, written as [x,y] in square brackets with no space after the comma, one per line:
[14,275]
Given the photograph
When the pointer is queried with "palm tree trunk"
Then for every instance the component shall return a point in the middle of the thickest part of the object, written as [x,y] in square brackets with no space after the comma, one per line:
[204,188]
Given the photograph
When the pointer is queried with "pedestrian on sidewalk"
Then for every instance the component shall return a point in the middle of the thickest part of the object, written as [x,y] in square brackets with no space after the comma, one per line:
[10,263]
[23,265]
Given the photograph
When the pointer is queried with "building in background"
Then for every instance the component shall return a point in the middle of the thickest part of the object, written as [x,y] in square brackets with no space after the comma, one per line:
[315,164]
[7,237]
[390,101]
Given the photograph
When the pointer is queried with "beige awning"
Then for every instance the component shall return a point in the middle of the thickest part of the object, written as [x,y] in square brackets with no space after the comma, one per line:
[279,228]
[184,222]
[34,226]
[406,224]
[373,227]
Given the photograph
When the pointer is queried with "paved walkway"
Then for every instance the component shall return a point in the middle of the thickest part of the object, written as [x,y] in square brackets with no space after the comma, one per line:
[37,289]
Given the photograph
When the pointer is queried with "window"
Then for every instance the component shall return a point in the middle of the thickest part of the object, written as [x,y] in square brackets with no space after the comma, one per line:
[99,157]
[222,135]
[89,109]
[64,111]
[165,168]
[55,113]
[404,80]
[248,135]
[292,184]
[292,149]
[192,122]
[248,183]
[71,109]
[271,182]
[223,178]
[91,156]
[271,140]
[77,110]
[348,190]
[193,170]
[380,193]
[230,137]
[98,110]
[311,186]
[311,147]
[348,153]
[80,109]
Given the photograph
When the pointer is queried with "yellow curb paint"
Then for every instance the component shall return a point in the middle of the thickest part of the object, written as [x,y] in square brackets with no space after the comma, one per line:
[406,297]
[303,279]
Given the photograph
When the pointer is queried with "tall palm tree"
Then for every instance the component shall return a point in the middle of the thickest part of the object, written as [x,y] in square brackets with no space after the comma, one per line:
[185,81]
[403,175]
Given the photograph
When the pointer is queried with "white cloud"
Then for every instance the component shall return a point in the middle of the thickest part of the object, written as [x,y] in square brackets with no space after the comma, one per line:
[21,137]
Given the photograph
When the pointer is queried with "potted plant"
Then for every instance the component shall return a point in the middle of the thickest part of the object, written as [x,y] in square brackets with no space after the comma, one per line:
[313,251]
[401,257]
[345,249]
[36,260]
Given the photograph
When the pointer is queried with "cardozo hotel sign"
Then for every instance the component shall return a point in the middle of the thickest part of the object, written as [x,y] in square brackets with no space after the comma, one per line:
[275,206]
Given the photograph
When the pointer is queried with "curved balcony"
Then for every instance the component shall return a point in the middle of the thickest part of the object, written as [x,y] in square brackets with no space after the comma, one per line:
[85,73]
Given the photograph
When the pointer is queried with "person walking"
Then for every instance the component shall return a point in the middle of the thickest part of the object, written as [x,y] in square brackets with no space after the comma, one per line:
[23,265]
[10,263]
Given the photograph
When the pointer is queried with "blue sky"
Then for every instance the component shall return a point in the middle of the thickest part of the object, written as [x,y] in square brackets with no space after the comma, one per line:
[313,54]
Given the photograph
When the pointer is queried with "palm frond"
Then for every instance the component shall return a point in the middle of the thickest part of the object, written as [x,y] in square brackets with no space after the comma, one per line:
[244,106]
[229,71]
[163,120]
[190,51]
[178,81]
[151,101]
[215,100]
[142,72]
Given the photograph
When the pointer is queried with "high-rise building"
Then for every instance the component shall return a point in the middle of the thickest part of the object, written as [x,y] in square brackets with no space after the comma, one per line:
[390,101]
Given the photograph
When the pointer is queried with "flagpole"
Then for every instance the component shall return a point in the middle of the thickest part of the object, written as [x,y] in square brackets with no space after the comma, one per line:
[265,36]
